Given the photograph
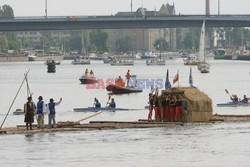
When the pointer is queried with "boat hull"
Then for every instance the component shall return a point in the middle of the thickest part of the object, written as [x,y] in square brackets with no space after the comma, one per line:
[88,80]
[232,104]
[122,90]
[94,109]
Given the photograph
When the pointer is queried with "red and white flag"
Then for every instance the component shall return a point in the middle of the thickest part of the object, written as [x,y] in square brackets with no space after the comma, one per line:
[176,78]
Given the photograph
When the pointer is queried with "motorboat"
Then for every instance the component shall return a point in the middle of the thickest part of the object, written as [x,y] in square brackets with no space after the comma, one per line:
[156,62]
[18,112]
[120,62]
[87,79]
[205,69]
[31,57]
[81,61]
[108,60]
[191,60]
[115,89]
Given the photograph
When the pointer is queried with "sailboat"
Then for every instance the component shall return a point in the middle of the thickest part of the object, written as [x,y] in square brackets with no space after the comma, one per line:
[203,66]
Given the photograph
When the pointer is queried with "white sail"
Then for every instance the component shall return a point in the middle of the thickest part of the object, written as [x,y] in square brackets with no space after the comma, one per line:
[202,43]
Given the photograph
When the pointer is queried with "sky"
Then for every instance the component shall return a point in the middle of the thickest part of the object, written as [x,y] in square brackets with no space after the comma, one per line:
[108,7]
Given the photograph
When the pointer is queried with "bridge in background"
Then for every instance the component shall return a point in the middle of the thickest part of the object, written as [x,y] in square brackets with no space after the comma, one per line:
[121,22]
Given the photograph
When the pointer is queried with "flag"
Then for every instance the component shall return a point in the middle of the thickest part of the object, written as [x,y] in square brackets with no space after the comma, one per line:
[167,83]
[176,78]
[191,78]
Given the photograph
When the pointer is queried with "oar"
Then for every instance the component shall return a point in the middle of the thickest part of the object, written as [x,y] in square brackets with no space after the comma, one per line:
[227,92]
[108,100]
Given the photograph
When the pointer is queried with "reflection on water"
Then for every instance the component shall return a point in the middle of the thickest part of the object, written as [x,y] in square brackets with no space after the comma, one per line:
[194,145]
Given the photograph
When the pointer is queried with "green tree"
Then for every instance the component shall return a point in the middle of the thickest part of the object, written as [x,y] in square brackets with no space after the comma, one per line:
[6,11]
[3,42]
[99,39]
[75,43]
[123,44]
[161,44]
[14,45]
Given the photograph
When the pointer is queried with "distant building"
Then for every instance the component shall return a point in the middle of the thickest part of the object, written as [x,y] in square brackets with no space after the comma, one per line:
[144,39]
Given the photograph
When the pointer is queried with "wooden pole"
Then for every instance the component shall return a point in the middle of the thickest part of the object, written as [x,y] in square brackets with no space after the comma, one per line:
[14,98]
[99,112]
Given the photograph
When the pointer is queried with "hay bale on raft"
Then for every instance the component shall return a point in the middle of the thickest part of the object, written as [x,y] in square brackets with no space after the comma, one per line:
[199,105]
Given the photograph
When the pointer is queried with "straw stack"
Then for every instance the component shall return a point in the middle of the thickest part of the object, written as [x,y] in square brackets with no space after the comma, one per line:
[199,105]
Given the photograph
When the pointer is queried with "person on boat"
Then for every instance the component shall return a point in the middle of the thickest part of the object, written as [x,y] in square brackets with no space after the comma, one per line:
[91,73]
[86,72]
[29,110]
[167,116]
[172,105]
[245,99]
[112,103]
[40,111]
[52,112]
[151,106]
[163,108]
[157,108]
[97,104]
[128,76]
[178,110]
[119,82]
[234,98]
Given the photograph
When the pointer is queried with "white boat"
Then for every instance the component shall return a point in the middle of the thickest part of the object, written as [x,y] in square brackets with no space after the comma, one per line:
[191,60]
[122,63]
[31,57]
[81,60]
[156,62]
[203,66]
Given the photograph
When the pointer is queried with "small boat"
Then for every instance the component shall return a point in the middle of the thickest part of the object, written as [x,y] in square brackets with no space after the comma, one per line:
[87,80]
[233,104]
[81,61]
[108,60]
[122,90]
[192,60]
[122,63]
[94,109]
[205,70]
[156,62]
[18,112]
[31,57]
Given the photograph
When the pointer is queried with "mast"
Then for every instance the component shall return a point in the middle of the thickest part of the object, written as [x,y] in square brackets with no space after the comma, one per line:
[202,43]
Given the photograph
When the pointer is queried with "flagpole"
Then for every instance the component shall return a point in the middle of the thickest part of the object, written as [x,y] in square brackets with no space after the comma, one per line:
[178,79]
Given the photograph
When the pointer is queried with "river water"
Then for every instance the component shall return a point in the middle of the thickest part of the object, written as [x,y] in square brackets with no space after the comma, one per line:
[221,144]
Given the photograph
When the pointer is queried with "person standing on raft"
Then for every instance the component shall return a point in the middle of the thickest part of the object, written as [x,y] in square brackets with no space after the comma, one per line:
[29,110]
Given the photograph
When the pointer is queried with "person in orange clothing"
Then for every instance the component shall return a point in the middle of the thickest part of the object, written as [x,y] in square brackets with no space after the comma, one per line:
[119,82]
[172,105]
[128,76]
[178,110]
[86,72]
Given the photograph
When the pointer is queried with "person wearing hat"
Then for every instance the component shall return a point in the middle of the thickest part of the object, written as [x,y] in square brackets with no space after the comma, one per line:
[40,110]
[52,112]
[29,110]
